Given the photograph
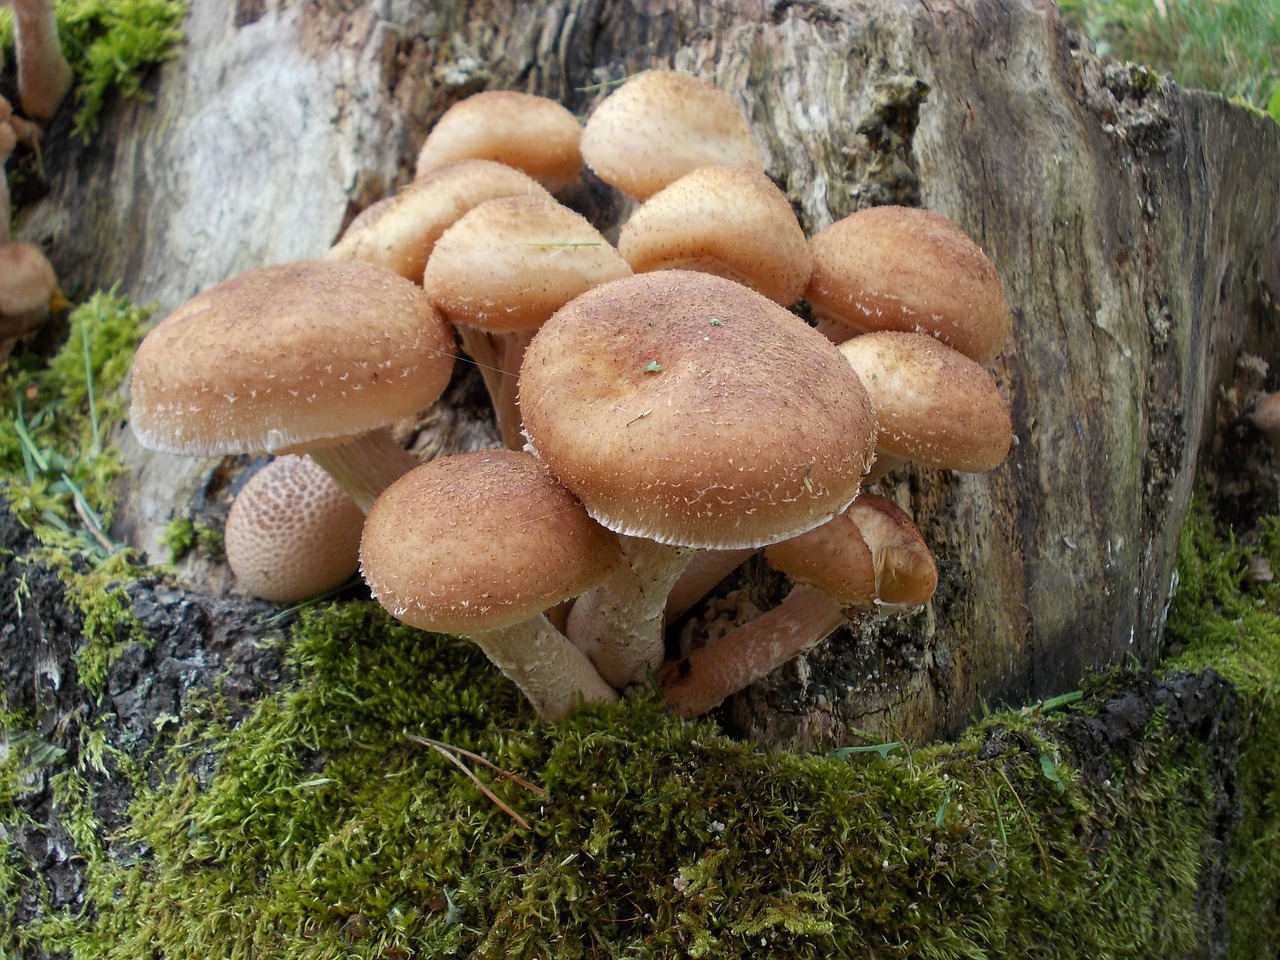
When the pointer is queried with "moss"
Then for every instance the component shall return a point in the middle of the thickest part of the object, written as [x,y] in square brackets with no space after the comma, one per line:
[183,535]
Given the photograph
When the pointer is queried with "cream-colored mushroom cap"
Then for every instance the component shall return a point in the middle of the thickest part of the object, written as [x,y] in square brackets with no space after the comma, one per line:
[528,132]
[906,575]
[834,558]
[660,125]
[902,268]
[933,404]
[730,221]
[292,533]
[480,541]
[690,410]
[402,236]
[27,279]
[509,264]
[289,355]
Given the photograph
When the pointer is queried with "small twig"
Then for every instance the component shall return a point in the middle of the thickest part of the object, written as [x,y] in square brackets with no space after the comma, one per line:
[1031,827]
[450,752]
[90,519]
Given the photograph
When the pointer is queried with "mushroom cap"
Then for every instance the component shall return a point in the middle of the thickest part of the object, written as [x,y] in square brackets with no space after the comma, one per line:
[903,268]
[480,541]
[402,236]
[289,355]
[658,126]
[933,404]
[834,558]
[690,410]
[730,221]
[510,263]
[1266,417]
[906,575]
[292,533]
[27,280]
[528,132]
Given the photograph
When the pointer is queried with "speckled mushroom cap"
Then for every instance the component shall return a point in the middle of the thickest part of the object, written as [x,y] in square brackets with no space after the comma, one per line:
[292,533]
[401,237]
[834,558]
[690,410]
[658,126]
[906,575]
[528,132]
[903,268]
[730,221]
[480,541]
[289,355]
[933,404]
[510,263]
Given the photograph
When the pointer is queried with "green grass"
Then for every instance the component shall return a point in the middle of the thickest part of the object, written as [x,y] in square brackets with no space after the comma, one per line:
[1227,46]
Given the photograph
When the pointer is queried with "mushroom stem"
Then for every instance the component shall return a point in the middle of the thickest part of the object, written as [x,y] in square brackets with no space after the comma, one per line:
[499,355]
[44,76]
[705,569]
[364,466]
[710,674]
[618,624]
[551,672]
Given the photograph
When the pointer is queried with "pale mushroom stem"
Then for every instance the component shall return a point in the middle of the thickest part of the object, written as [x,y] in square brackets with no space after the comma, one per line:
[499,355]
[44,76]
[364,466]
[710,674]
[619,623]
[706,568]
[551,672]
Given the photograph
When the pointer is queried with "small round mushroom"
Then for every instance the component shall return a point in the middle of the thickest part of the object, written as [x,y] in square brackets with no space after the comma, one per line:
[660,125]
[501,271]
[44,76]
[687,412]
[402,236]
[1266,417]
[933,404]
[292,534]
[317,356]
[903,268]
[528,132]
[28,292]
[481,544]
[729,221]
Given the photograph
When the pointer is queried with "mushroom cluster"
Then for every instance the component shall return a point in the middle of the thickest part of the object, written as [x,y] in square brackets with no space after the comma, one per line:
[664,413]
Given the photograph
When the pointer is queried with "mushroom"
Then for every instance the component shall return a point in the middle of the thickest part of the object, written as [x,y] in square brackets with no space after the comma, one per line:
[869,555]
[402,236]
[44,76]
[316,357]
[501,271]
[933,404]
[1266,417]
[28,292]
[730,221]
[480,544]
[292,533]
[687,412]
[528,132]
[902,268]
[660,125]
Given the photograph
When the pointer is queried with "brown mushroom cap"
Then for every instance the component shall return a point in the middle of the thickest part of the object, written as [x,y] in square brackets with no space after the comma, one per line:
[730,221]
[1266,417]
[690,410]
[510,263]
[834,558]
[402,236]
[292,533]
[905,573]
[289,355]
[902,268]
[27,280]
[480,541]
[521,130]
[658,126]
[933,404]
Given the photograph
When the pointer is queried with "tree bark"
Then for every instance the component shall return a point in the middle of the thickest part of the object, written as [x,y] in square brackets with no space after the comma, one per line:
[1127,218]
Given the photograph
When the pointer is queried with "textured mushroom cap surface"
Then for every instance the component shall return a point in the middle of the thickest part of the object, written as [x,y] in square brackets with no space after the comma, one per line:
[834,558]
[403,235]
[902,268]
[690,410]
[730,221]
[27,280]
[528,132]
[660,125]
[510,263]
[292,533]
[933,404]
[906,575]
[480,541]
[289,355]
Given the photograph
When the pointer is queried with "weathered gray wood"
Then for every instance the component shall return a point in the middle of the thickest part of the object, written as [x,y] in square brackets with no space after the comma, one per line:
[1133,224]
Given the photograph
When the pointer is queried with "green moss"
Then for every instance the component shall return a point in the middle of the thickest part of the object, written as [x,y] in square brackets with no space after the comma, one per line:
[183,535]
[111,45]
